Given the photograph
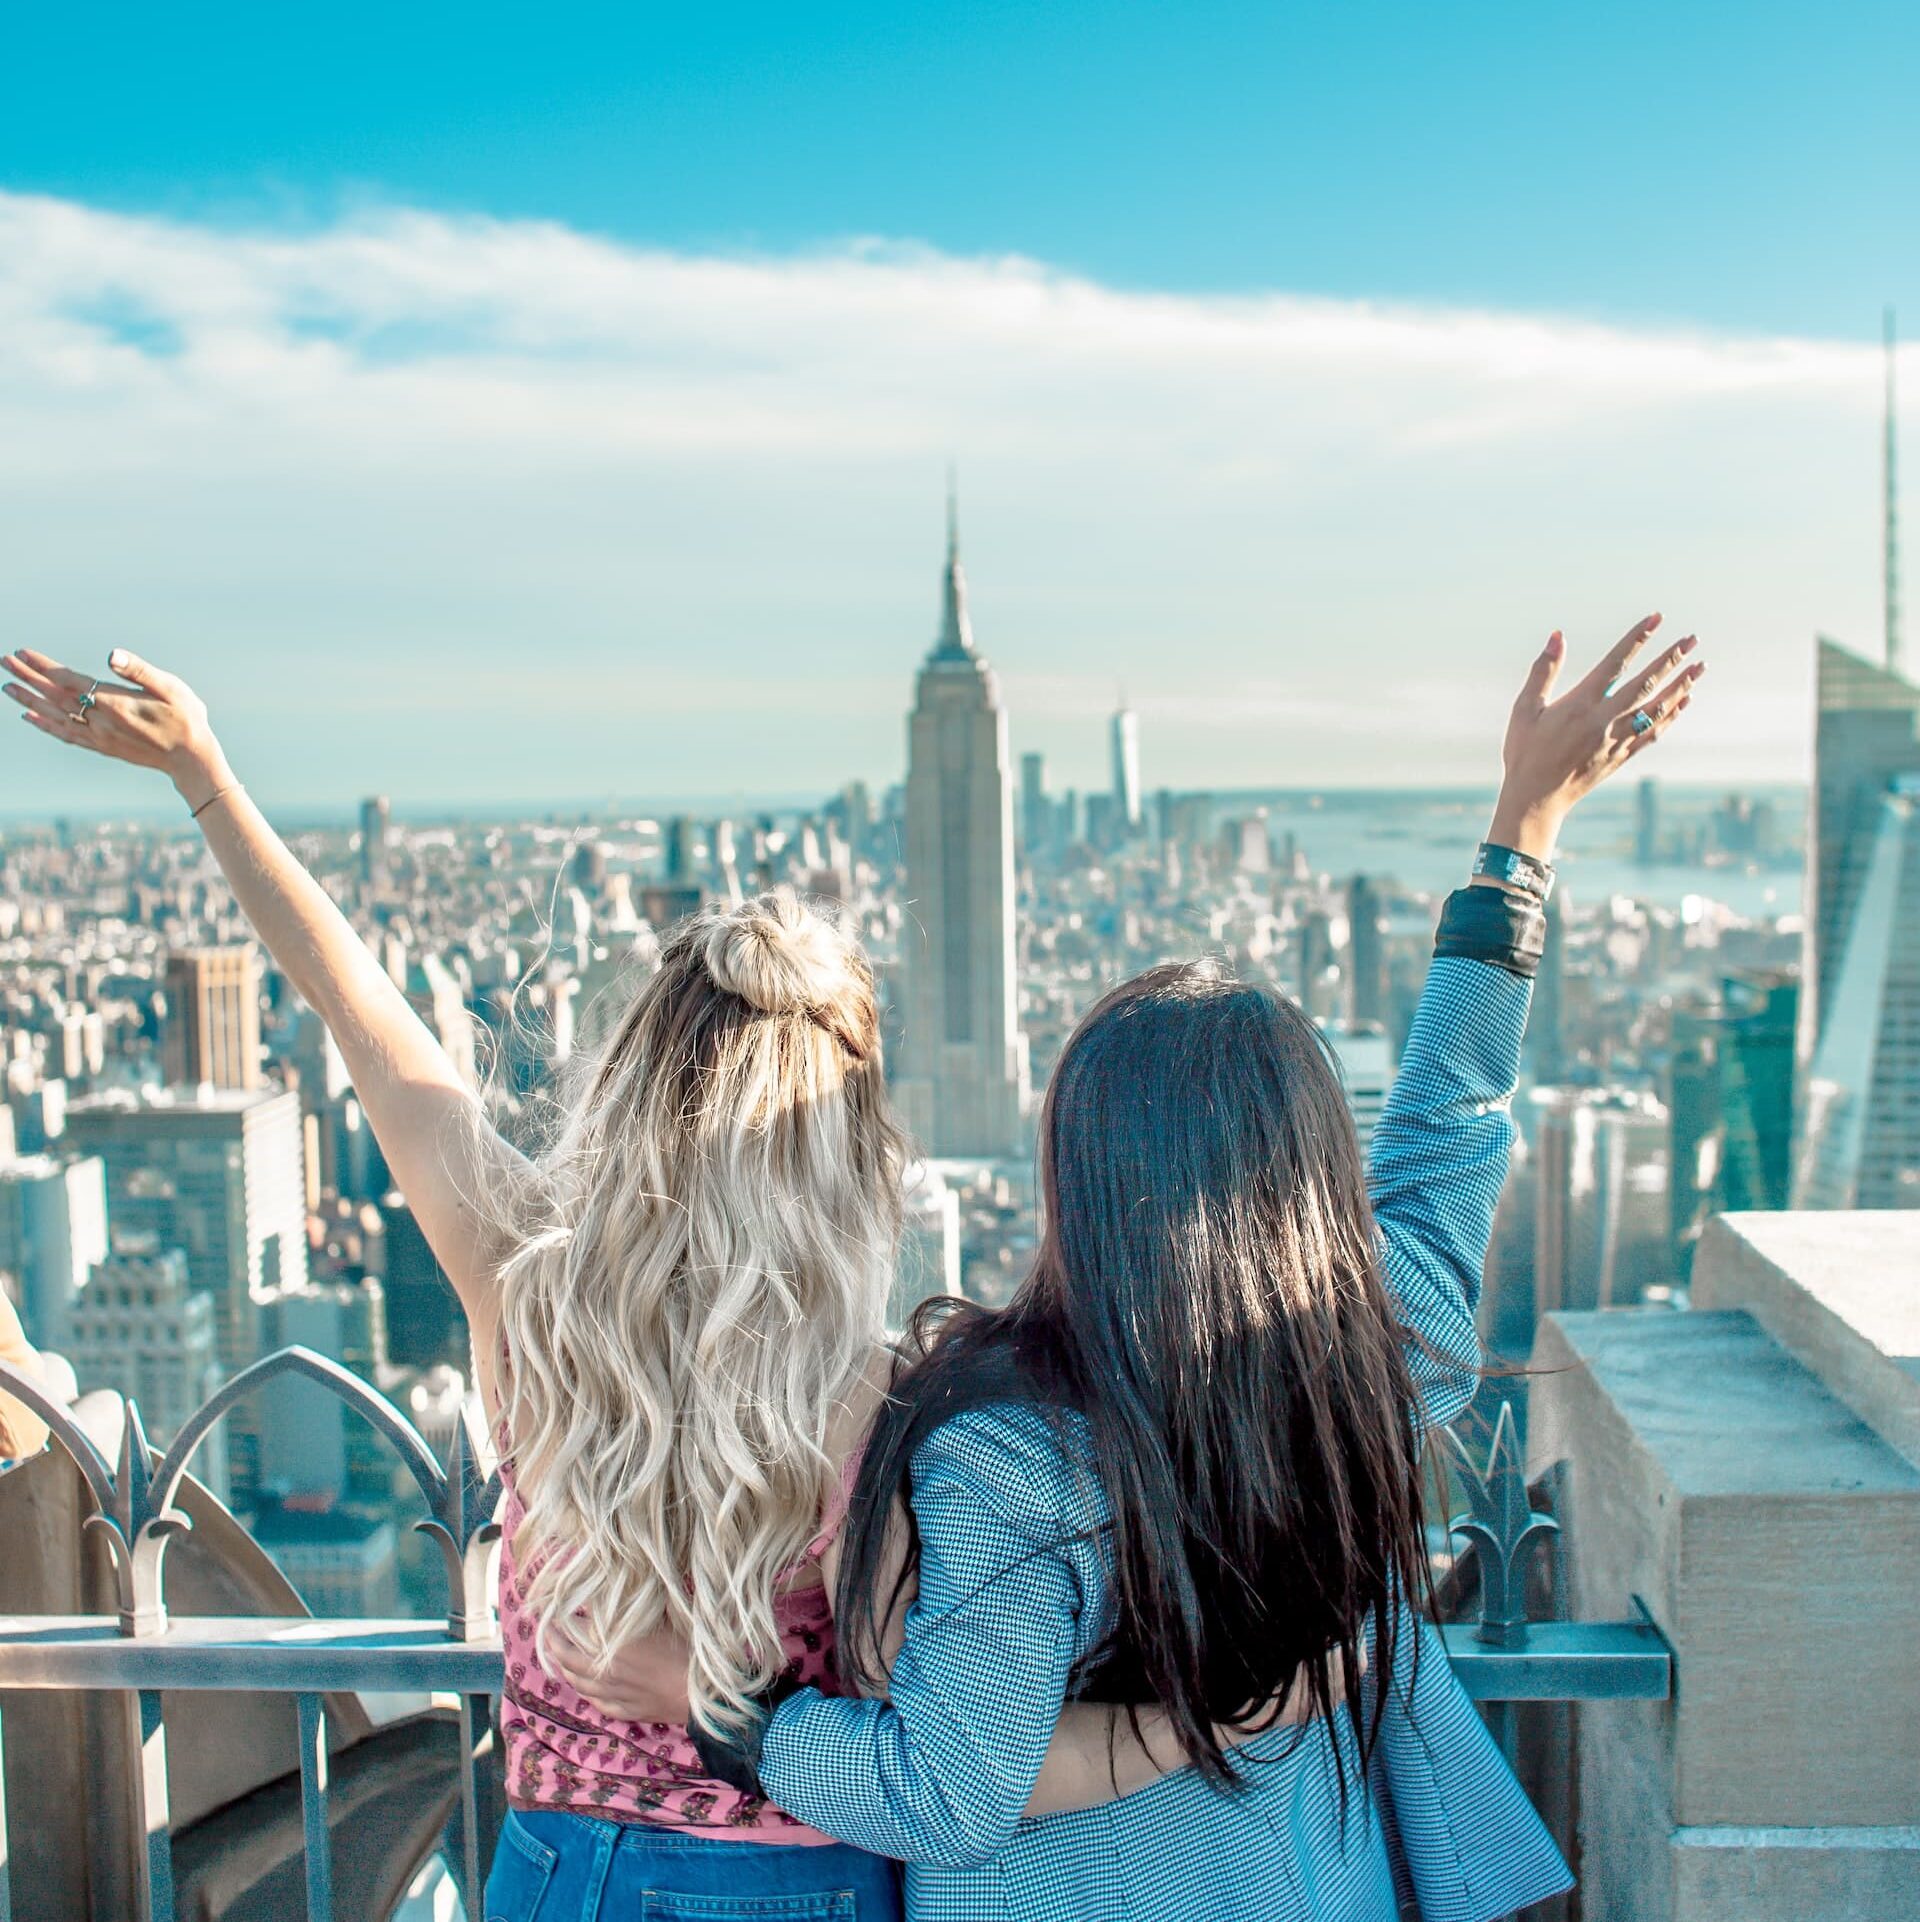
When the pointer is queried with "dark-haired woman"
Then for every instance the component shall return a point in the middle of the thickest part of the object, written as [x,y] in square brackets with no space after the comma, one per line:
[1182,1467]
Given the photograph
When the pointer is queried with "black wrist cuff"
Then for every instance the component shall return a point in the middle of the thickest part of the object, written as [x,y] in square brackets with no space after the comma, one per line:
[1512,869]
[734,1758]
[1490,924]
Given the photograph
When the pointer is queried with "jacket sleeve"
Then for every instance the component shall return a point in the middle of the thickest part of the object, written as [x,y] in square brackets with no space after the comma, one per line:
[1438,1162]
[941,1770]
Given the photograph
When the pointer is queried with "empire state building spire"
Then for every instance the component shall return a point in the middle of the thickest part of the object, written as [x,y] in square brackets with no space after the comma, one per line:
[956,630]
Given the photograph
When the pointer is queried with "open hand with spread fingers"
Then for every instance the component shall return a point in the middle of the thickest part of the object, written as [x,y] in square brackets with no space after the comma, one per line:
[146,716]
[1557,751]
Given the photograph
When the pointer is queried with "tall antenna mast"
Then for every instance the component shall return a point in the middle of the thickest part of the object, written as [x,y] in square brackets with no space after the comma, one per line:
[1891,526]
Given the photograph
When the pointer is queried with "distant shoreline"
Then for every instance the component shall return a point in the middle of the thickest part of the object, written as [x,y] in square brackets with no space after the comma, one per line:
[309,815]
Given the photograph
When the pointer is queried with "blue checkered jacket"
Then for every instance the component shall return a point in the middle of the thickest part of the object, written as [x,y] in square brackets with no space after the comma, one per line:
[1014,1583]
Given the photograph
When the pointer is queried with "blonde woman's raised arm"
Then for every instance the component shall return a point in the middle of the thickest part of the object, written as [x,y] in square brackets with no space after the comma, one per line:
[425,1118]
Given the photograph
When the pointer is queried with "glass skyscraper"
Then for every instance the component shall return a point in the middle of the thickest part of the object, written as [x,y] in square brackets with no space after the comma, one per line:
[1858,1132]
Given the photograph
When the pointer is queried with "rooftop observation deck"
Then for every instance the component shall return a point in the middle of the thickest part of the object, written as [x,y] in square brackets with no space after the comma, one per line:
[1688,1613]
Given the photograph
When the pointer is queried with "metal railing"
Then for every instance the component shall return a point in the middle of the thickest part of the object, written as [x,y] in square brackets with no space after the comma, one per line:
[1503,1659]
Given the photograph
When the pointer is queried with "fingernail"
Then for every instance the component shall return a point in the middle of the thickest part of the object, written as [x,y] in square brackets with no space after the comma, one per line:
[1688,645]
[117,659]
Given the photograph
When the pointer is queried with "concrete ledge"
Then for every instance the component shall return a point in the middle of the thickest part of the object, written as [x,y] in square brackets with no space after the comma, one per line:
[1773,1874]
[1774,1538]
[1840,1292]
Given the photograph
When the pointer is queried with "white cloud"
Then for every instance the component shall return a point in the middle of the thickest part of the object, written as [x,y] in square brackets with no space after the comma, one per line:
[524,502]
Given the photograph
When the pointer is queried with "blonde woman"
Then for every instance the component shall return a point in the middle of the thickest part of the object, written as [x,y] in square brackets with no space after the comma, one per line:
[676,1320]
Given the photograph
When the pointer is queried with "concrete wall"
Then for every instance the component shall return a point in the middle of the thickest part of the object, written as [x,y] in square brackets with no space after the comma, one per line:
[1720,1465]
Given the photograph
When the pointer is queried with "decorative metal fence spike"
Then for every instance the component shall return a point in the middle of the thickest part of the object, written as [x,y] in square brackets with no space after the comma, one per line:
[1503,1527]
[463,1529]
[143,1608]
[135,1502]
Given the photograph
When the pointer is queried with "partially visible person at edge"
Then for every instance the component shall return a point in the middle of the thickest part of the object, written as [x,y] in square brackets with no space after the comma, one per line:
[22,1432]
[677,1321]
[1182,1467]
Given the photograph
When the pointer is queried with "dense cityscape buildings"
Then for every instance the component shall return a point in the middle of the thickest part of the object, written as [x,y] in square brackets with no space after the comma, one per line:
[190,1182]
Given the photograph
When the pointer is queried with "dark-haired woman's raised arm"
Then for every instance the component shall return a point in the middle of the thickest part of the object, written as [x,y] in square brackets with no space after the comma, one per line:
[1439,1151]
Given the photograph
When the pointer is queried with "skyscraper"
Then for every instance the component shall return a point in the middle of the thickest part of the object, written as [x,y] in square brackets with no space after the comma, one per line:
[424,1322]
[682,847]
[53,1233]
[213,1018]
[963,1079]
[1730,1104]
[1646,823]
[1859,1121]
[1366,952]
[1857,1124]
[1318,973]
[309,1439]
[1126,767]
[929,1258]
[1547,1031]
[219,1174]
[1035,814]
[1756,1079]
[1864,735]
[141,1327]
[1366,1072]
[1601,1222]
[376,817]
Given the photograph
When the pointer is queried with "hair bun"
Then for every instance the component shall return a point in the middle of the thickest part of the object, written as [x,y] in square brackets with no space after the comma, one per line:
[778,955]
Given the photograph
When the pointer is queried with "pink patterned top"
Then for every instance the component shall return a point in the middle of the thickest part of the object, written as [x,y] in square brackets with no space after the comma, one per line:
[563,1753]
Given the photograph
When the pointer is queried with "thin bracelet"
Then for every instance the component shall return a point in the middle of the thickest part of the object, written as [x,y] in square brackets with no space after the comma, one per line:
[219,794]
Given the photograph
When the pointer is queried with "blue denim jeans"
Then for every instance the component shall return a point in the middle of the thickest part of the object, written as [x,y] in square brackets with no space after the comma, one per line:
[554,1867]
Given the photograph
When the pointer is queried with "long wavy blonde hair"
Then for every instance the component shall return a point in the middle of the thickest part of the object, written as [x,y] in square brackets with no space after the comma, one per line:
[698,1275]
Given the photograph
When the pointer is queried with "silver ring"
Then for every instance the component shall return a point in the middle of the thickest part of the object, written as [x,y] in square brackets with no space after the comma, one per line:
[87,700]
[1641,723]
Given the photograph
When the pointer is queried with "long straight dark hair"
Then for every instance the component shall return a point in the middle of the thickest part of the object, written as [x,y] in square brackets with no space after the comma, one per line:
[1207,1298]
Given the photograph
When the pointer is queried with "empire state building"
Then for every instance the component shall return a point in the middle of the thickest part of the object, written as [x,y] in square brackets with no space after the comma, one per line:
[963,1084]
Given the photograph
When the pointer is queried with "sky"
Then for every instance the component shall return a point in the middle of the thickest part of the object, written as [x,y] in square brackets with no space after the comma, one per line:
[485,404]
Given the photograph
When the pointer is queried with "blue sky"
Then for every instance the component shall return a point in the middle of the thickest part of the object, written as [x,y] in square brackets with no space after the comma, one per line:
[1748,165]
[623,349]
